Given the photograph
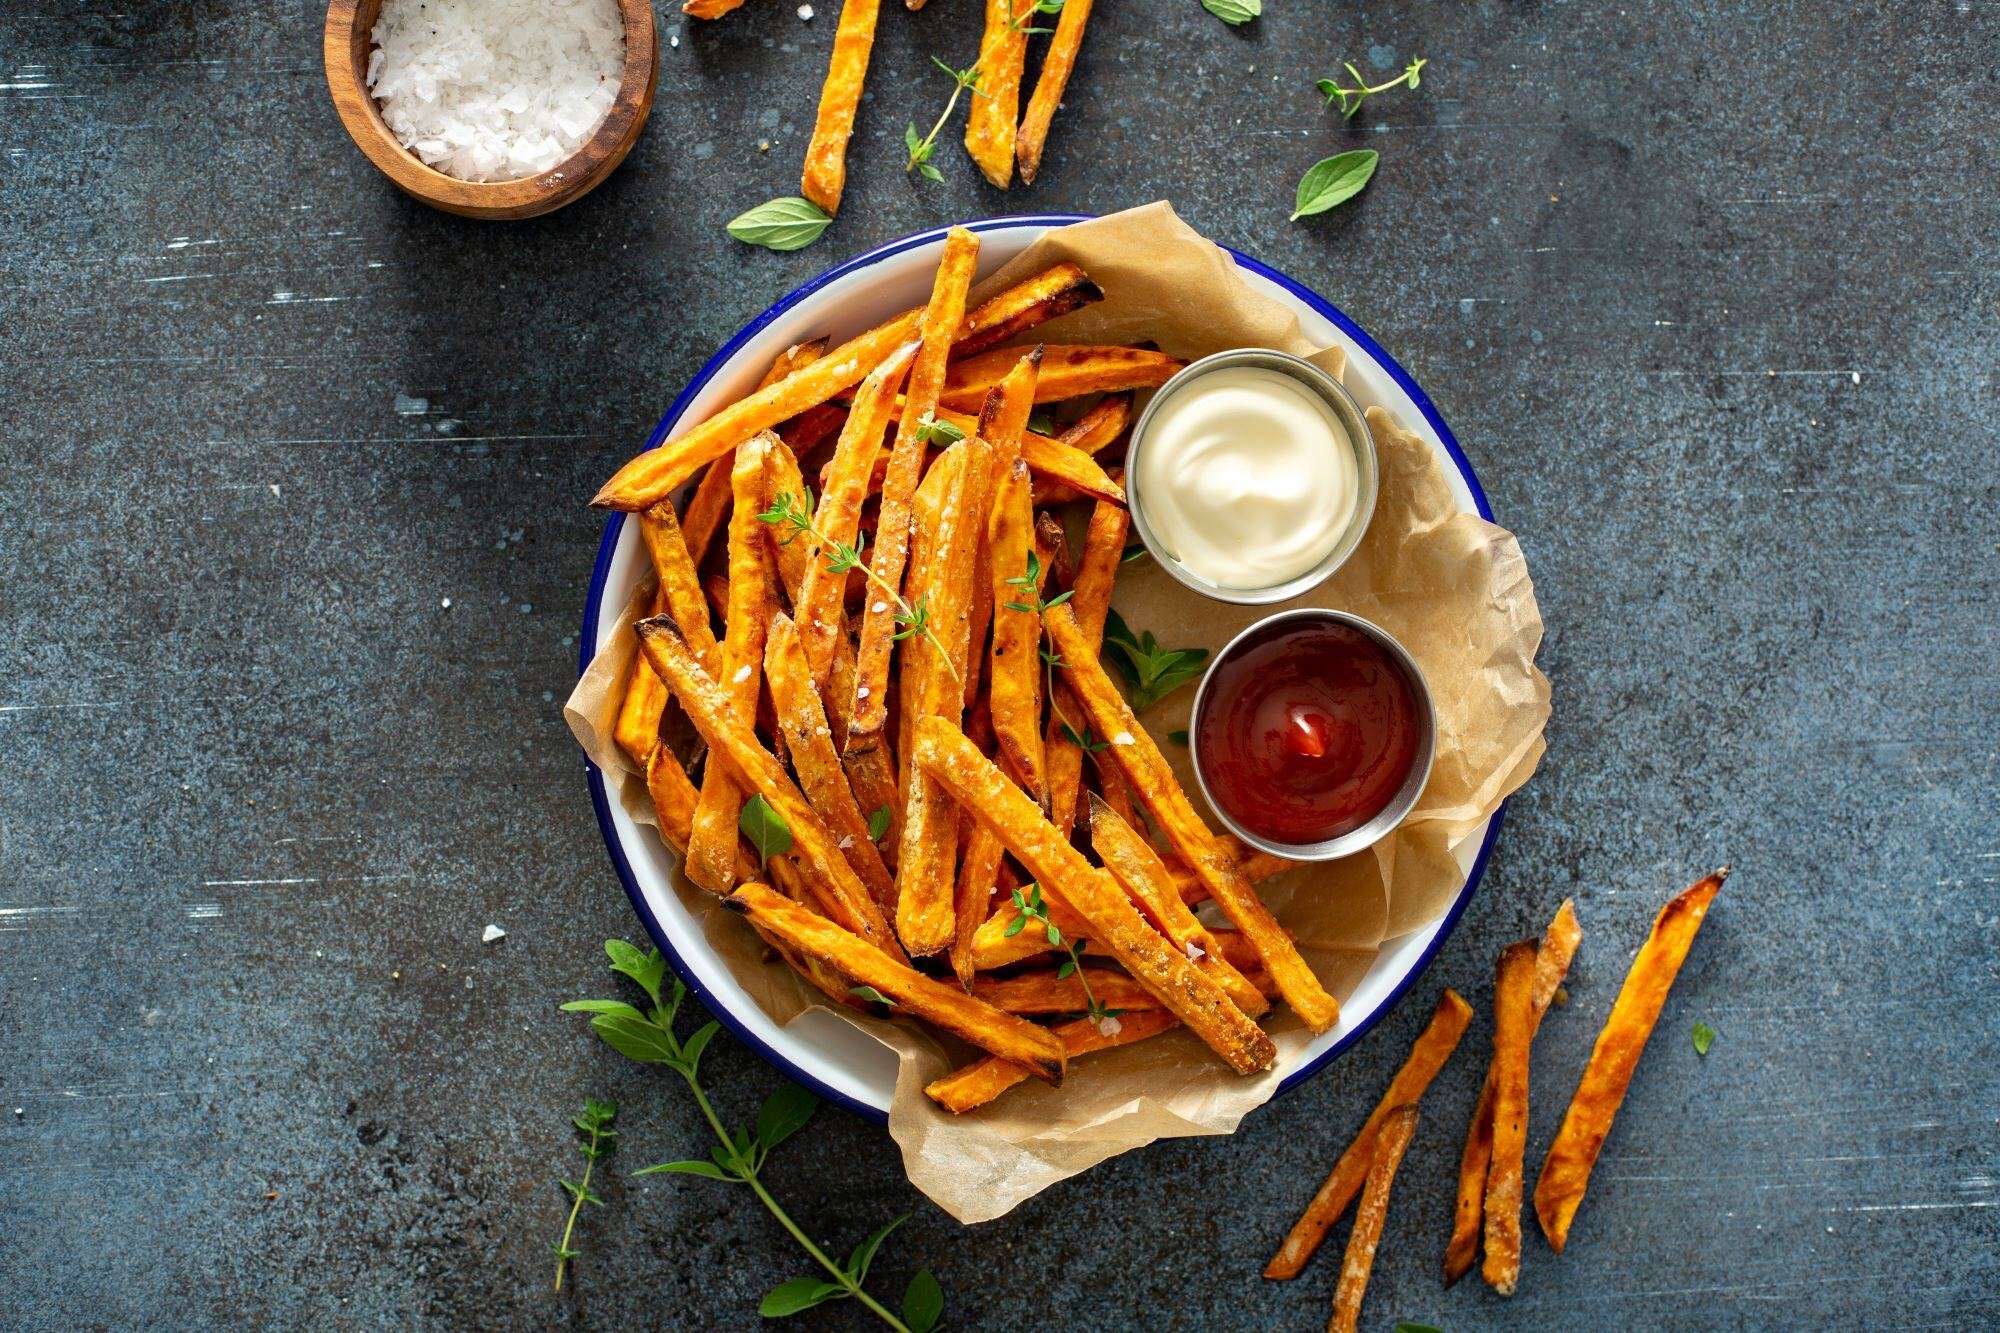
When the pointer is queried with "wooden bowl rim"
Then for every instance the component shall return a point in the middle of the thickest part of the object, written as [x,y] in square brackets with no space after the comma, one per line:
[526,196]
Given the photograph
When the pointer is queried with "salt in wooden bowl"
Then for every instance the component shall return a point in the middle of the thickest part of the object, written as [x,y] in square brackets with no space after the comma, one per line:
[348,43]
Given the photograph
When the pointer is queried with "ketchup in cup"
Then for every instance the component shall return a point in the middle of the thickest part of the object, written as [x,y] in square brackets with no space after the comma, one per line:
[1308,729]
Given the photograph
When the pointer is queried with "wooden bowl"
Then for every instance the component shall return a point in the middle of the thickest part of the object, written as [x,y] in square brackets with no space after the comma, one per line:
[348,43]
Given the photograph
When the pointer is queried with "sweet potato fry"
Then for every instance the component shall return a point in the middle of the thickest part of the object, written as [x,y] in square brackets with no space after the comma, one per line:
[1034,1049]
[1016,672]
[1513,1002]
[980,1082]
[837,519]
[1427,1056]
[1002,421]
[1390,1146]
[1052,461]
[790,555]
[810,740]
[637,727]
[977,785]
[1587,1123]
[992,947]
[941,320]
[1096,571]
[927,854]
[1066,372]
[833,882]
[709,505]
[1155,785]
[1003,55]
[709,9]
[1134,864]
[680,587]
[1050,294]
[972,896]
[1057,62]
[1552,960]
[1043,992]
[1092,433]
[825,173]
[711,860]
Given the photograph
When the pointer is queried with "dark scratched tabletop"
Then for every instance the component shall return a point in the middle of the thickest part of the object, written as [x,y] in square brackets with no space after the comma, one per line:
[1709,295]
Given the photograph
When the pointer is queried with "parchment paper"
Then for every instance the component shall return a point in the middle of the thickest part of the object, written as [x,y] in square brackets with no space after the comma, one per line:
[1452,587]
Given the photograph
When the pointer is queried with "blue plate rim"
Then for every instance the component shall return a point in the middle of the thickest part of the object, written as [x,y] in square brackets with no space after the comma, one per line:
[600,798]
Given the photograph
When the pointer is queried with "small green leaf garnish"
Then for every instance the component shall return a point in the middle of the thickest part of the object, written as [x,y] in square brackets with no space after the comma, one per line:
[923,1302]
[1234,12]
[788,223]
[878,824]
[870,994]
[1334,181]
[1407,1327]
[766,828]
[1151,672]
[1704,1035]
[1136,551]
[1350,99]
[1178,736]
[937,434]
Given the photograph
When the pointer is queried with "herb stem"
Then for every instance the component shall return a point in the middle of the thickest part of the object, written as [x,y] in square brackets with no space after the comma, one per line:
[569,1227]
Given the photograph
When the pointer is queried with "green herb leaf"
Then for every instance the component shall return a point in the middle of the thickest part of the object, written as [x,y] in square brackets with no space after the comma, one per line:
[1042,422]
[801,1293]
[1334,181]
[1416,1328]
[784,1114]
[1068,966]
[1015,926]
[1704,1035]
[923,1302]
[1136,551]
[1234,12]
[618,1007]
[864,1253]
[766,828]
[1178,737]
[708,1169]
[937,433]
[872,995]
[788,223]
[692,1048]
[1151,672]
[635,1039]
[648,968]
[878,824]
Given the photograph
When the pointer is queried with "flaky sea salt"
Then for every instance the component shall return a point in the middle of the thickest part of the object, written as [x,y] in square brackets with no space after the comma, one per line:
[492,90]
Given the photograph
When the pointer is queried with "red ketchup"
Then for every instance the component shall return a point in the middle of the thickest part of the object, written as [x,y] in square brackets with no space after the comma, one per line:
[1307,731]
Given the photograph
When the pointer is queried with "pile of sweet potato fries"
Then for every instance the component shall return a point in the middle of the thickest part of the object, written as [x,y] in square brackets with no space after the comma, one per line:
[899,670]
[999,135]
[1527,979]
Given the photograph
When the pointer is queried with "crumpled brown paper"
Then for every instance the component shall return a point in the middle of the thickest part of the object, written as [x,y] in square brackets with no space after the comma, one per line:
[1452,587]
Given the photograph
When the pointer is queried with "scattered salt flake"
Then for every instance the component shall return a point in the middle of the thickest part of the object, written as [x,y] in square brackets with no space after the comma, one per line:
[1123,738]
[1109,1027]
[846,841]
[275,490]
[1857,380]
[490,934]
[861,693]
[742,673]
[1194,951]
[445,602]
[806,12]
[879,607]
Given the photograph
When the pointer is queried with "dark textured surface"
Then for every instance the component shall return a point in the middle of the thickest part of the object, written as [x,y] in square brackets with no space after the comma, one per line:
[1708,294]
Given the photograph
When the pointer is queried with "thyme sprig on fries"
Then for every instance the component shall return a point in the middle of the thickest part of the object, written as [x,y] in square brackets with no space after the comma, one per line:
[789,512]
[1030,907]
[594,1125]
[647,1036]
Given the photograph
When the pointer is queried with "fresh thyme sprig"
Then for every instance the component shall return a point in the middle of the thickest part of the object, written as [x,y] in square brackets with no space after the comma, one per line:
[594,1125]
[922,148]
[789,512]
[1350,99]
[1029,906]
[1030,582]
[648,1037]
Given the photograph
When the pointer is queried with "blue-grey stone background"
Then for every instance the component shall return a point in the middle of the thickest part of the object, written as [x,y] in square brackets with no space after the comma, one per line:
[1708,293]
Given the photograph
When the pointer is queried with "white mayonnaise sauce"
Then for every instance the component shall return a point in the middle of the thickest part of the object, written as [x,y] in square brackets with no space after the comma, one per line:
[1247,477]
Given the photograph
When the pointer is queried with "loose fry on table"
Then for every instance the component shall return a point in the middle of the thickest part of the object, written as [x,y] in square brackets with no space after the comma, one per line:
[810,740]
[837,519]
[1003,55]
[1057,62]
[941,318]
[711,860]
[1036,1050]
[833,882]
[1043,992]
[826,155]
[1054,292]
[1427,1056]
[977,785]
[709,9]
[1587,1123]
[1552,961]
[1390,1145]
[927,855]
[1066,372]
[1156,787]
[1134,864]
[1513,1003]
[980,1082]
